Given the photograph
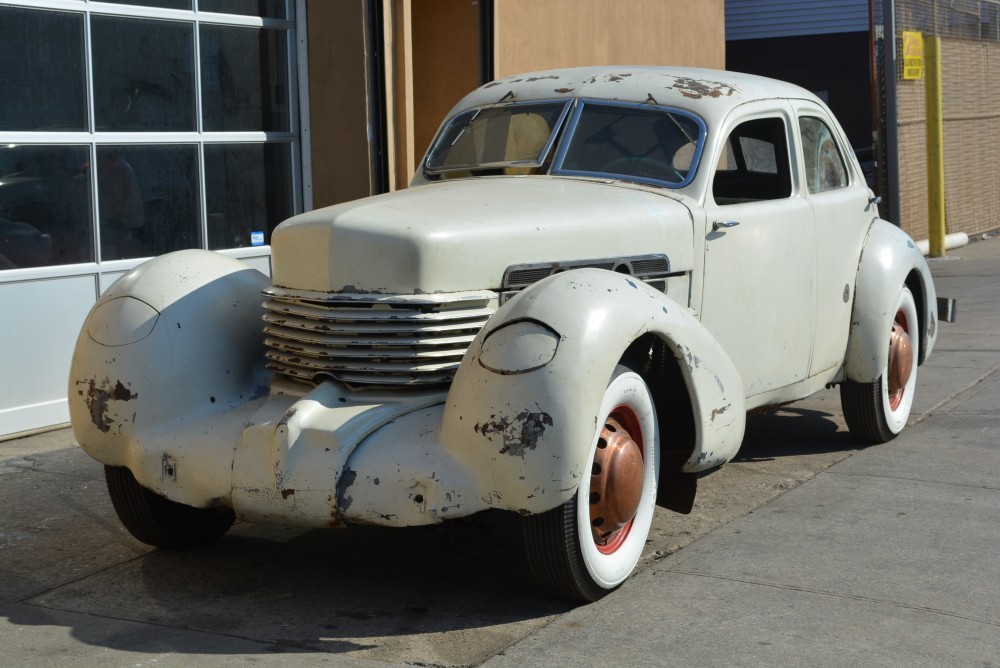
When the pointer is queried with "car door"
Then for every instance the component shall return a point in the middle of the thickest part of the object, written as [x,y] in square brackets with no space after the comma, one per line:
[758,295]
[843,209]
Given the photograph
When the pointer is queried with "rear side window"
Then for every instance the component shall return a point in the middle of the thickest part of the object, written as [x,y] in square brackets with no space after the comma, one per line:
[754,165]
[823,161]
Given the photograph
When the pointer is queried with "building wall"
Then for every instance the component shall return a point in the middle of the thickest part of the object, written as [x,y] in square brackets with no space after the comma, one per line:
[531,35]
[446,48]
[971,92]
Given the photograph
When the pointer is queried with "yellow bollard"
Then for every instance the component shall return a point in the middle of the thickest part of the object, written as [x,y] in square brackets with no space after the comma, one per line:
[935,147]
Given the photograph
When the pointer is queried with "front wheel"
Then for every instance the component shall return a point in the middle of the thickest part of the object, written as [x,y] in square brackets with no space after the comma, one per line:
[158,521]
[876,412]
[588,546]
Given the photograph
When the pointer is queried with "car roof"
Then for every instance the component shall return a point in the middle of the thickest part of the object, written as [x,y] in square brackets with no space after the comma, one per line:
[709,93]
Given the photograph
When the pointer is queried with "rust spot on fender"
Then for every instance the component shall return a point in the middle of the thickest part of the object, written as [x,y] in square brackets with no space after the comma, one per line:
[285,493]
[97,397]
[347,478]
[519,434]
[563,91]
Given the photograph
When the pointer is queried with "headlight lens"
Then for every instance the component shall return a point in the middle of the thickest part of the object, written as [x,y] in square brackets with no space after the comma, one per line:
[519,347]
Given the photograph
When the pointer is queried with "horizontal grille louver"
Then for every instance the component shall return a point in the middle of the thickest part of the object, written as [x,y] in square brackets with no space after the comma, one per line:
[372,341]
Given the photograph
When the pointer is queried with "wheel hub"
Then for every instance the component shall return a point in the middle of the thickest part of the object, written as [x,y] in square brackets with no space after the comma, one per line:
[900,358]
[615,484]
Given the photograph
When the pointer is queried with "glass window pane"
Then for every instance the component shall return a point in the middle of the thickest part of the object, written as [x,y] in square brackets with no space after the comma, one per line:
[243,79]
[143,74]
[824,164]
[248,192]
[166,4]
[44,206]
[633,142]
[270,9]
[148,199]
[41,70]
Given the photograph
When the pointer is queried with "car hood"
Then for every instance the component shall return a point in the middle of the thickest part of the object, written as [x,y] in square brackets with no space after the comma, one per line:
[462,235]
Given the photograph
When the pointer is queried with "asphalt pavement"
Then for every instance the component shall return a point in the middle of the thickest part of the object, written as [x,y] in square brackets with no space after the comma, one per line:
[883,556]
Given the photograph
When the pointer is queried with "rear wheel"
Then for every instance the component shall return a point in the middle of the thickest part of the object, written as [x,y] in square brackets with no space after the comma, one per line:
[588,546]
[158,521]
[877,412]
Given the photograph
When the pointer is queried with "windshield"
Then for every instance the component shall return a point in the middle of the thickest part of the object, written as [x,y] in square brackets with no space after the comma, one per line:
[514,135]
[640,143]
[635,142]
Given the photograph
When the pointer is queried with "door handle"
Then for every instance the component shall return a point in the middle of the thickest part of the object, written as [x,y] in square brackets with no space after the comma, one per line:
[719,224]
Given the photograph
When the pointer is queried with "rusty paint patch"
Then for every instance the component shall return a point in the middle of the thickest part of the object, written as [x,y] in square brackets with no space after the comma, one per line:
[285,493]
[287,416]
[347,478]
[698,88]
[519,434]
[564,91]
[97,397]
[551,76]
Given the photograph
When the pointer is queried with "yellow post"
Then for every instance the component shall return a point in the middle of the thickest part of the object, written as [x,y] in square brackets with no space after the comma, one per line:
[935,147]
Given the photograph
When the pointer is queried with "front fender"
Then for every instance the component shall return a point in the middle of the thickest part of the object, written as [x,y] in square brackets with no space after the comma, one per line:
[176,338]
[890,259]
[524,419]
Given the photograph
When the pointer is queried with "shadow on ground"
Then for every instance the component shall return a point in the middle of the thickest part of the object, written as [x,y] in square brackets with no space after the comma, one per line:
[792,430]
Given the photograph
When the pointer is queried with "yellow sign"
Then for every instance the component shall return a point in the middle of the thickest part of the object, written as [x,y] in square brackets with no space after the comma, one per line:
[913,55]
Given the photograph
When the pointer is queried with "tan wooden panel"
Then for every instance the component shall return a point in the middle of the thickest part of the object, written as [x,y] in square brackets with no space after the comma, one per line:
[338,108]
[532,35]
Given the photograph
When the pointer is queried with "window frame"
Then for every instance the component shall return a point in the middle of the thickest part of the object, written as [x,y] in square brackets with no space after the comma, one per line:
[787,170]
[294,28]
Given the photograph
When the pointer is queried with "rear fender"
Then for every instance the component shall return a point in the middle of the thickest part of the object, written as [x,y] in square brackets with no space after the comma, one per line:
[522,412]
[889,261]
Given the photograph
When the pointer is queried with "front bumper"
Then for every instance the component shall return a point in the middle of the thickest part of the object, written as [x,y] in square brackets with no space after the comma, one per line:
[327,458]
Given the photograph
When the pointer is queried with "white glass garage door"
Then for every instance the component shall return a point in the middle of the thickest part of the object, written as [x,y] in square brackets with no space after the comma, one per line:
[128,130]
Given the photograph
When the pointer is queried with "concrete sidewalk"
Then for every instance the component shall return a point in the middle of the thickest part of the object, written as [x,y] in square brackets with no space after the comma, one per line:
[889,558]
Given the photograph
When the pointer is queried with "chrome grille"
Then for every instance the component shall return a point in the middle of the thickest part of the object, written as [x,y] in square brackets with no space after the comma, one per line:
[372,341]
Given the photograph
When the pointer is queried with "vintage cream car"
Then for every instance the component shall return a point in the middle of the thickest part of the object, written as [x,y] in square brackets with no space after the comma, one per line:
[595,275]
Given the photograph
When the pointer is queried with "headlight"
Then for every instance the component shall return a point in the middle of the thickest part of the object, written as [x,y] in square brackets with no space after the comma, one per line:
[519,347]
[121,321]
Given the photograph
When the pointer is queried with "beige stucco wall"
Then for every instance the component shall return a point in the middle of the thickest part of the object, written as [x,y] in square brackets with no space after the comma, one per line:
[536,34]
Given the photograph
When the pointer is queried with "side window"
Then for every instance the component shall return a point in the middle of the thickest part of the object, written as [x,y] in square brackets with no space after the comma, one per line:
[754,165]
[824,164]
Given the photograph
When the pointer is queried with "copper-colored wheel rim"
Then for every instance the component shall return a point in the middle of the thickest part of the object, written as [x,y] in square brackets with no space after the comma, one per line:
[616,480]
[900,359]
